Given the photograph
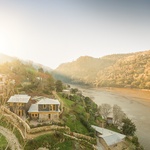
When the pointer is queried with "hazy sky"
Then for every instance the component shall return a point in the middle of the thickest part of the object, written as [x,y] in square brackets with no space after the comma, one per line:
[52,32]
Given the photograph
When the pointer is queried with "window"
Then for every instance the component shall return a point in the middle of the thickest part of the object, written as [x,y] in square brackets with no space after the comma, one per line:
[54,107]
[19,104]
[44,106]
[11,104]
[50,107]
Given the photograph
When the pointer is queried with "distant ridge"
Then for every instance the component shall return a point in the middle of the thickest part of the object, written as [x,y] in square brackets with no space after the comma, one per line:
[5,58]
[117,70]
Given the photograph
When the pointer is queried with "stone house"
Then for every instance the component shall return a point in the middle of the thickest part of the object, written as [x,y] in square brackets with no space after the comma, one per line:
[19,104]
[109,139]
[110,119]
[45,109]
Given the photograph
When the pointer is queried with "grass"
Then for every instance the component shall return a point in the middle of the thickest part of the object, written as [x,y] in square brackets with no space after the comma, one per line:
[113,128]
[66,102]
[19,136]
[3,142]
[76,117]
[75,110]
[68,145]
[76,126]
[48,140]
[9,126]
[55,141]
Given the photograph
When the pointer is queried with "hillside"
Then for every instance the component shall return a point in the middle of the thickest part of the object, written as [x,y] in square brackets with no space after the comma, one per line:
[5,58]
[85,68]
[118,70]
[26,78]
[77,115]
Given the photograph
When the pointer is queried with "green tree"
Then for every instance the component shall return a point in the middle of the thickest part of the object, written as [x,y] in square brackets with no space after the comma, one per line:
[41,69]
[128,127]
[59,86]
[74,90]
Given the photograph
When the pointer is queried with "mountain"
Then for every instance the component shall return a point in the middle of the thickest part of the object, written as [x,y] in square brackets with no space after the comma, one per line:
[38,66]
[85,68]
[5,58]
[117,70]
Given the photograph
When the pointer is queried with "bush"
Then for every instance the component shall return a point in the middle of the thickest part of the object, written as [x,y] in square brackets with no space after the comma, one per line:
[88,126]
[128,127]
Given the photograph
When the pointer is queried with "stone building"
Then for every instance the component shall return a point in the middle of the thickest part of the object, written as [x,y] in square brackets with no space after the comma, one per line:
[19,104]
[45,109]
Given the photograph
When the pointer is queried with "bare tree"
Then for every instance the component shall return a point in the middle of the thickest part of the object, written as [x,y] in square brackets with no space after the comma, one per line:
[118,115]
[105,110]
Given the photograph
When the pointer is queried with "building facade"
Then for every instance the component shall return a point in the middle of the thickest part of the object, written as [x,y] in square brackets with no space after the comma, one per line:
[19,104]
[45,109]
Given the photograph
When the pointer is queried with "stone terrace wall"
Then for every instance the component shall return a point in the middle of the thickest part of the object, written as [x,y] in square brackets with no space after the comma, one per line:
[24,128]
[50,128]
[81,136]
[14,119]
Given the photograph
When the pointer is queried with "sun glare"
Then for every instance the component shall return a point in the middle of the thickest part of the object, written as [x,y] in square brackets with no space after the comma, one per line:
[6,44]
[3,42]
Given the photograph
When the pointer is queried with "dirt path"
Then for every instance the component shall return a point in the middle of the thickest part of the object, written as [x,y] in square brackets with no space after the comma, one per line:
[11,139]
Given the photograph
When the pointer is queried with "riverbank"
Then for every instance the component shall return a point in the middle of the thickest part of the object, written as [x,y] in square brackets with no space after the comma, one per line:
[140,95]
[134,102]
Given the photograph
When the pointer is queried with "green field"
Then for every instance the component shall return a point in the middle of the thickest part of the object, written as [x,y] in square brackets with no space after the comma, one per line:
[3,142]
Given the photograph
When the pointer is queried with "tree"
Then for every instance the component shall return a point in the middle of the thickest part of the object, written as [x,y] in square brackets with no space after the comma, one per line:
[41,69]
[128,127]
[74,90]
[59,86]
[118,115]
[105,110]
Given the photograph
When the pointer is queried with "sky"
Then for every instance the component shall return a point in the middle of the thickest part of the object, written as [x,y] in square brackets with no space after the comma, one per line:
[52,32]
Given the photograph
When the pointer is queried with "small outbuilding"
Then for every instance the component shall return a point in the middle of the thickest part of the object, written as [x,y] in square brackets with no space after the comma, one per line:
[107,137]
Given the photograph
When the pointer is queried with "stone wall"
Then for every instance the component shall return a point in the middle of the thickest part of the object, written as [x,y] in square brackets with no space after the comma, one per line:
[81,136]
[104,144]
[25,128]
[49,128]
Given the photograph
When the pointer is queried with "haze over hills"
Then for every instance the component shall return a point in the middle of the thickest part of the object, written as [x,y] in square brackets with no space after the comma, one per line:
[118,70]
[5,58]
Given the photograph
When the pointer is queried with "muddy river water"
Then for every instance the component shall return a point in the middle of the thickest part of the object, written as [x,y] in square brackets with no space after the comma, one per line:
[135,103]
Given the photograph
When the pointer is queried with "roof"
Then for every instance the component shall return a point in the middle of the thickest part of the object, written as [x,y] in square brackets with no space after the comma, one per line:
[19,98]
[45,101]
[48,101]
[33,108]
[110,115]
[110,137]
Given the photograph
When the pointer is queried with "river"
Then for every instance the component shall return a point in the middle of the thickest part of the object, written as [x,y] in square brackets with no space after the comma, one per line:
[135,103]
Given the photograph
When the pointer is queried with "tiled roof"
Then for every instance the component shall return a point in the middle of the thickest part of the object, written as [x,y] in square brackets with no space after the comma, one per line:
[19,98]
